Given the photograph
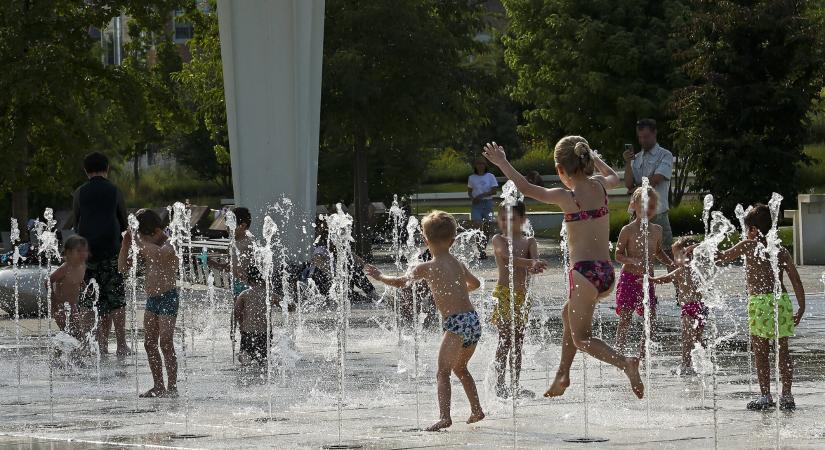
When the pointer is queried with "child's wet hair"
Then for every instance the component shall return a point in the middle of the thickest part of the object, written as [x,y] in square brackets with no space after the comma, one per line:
[636,198]
[439,226]
[518,208]
[74,243]
[760,218]
[685,242]
[148,221]
[242,216]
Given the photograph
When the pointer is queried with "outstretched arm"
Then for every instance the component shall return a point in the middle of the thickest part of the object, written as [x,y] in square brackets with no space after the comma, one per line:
[796,282]
[495,154]
[472,282]
[396,282]
[667,278]
[123,261]
[735,252]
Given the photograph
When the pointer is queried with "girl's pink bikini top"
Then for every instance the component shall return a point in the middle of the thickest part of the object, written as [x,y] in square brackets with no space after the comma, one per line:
[589,214]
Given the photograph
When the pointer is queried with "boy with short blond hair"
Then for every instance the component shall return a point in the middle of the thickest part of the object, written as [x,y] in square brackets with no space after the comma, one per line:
[450,282]
[161,264]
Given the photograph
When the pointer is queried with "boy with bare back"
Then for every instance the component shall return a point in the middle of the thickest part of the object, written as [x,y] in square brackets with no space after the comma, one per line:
[161,264]
[762,305]
[450,282]
[250,313]
[630,251]
[525,260]
[68,285]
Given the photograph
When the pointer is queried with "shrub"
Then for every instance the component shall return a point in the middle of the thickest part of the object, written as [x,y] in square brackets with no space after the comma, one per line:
[538,157]
[447,165]
[164,185]
[812,176]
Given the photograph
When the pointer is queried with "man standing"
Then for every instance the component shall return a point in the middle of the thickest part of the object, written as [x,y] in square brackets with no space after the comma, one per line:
[655,163]
[100,217]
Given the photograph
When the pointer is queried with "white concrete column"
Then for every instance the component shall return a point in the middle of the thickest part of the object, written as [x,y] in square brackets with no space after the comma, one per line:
[272,51]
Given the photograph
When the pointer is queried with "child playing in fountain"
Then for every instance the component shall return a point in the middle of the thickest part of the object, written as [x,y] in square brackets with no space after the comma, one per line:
[240,252]
[630,251]
[760,282]
[160,263]
[250,313]
[525,259]
[694,312]
[450,282]
[68,285]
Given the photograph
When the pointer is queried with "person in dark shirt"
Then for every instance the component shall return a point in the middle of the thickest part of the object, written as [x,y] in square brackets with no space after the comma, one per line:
[100,217]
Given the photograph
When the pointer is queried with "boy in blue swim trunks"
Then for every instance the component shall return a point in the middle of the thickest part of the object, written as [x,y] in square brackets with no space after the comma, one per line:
[450,282]
[160,263]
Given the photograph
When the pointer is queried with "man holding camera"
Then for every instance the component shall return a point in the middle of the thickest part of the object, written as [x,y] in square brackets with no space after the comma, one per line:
[655,163]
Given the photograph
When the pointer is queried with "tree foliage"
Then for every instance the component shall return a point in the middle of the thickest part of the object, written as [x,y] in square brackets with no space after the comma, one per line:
[756,67]
[58,101]
[593,67]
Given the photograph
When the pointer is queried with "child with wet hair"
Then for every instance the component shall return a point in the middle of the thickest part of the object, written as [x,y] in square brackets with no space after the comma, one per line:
[68,285]
[525,261]
[450,282]
[694,312]
[762,305]
[160,262]
[630,251]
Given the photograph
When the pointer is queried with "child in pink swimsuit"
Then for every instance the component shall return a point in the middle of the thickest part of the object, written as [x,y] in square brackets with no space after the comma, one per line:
[630,251]
[694,312]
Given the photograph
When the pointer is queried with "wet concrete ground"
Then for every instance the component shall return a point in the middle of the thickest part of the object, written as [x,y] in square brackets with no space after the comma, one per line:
[223,407]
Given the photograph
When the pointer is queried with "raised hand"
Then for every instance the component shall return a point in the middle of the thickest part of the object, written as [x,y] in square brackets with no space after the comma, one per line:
[494,153]
[372,271]
[538,266]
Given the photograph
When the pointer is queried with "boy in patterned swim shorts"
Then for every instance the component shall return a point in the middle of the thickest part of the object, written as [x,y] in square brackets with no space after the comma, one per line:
[450,282]
[161,265]
[525,260]
[762,304]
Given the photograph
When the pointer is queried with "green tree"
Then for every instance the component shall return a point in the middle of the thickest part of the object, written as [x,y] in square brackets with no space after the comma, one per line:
[397,77]
[206,149]
[593,67]
[58,100]
[756,67]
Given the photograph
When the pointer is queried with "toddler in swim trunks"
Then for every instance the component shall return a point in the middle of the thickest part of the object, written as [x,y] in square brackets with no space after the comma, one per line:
[450,282]
[762,305]
[161,264]
[525,260]
[630,251]
[694,312]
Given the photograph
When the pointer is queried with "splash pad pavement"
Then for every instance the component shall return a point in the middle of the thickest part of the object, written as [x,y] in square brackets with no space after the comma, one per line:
[227,406]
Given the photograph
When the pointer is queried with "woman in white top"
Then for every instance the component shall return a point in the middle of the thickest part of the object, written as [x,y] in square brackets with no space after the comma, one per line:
[481,186]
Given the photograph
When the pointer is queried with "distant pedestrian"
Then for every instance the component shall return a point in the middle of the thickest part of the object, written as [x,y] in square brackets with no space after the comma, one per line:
[481,186]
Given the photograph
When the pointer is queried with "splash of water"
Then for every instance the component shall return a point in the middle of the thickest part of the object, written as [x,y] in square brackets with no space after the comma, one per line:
[132,281]
[510,197]
[91,337]
[398,218]
[412,260]
[774,247]
[264,257]
[232,225]
[740,213]
[340,238]
[48,247]
[179,228]
[645,228]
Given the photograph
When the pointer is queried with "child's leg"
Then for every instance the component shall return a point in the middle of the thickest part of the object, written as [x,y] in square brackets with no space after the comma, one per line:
[687,341]
[103,325]
[519,345]
[150,343]
[460,370]
[502,351]
[761,356]
[583,299]
[785,366]
[447,356]
[59,315]
[642,345]
[625,319]
[568,352]
[119,320]
[166,334]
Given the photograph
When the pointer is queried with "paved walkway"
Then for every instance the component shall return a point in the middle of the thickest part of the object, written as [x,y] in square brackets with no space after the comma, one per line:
[227,408]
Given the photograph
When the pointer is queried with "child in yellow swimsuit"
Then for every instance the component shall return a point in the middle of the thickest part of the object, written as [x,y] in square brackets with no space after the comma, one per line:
[525,260]
[761,304]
